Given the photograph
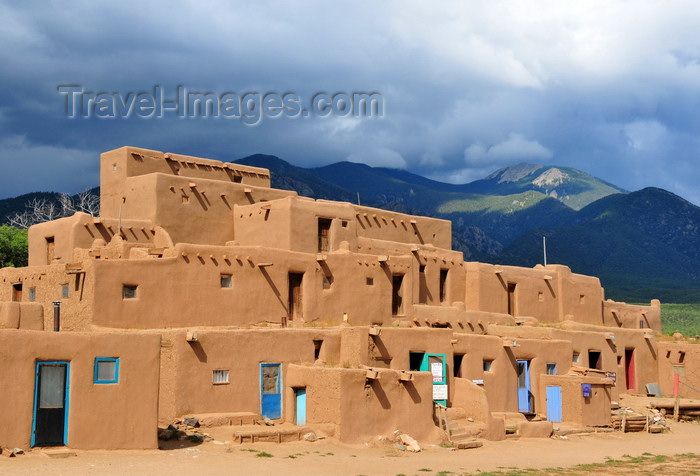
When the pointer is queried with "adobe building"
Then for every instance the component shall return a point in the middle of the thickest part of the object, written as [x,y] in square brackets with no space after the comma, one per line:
[201,290]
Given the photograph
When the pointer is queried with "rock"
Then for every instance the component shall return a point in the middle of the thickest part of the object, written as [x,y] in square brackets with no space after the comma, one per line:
[196,438]
[410,443]
[267,421]
[16,451]
[166,434]
[310,436]
[193,422]
[470,420]
[400,447]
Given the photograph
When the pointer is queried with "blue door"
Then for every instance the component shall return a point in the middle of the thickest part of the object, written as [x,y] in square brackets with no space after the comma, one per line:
[50,423]
[271,391]
[300,394]
[524,395]
[554,404]
[435,364]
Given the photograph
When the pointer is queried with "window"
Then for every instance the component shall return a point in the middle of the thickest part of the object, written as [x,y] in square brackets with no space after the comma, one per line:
[582,299]
[318,344]
[324,230]
[415,359]
[220,377]
[457,364]
[487,365]
[17,292]
[32,294]
[370,281]
[344,224]
[551,369]
[64,290]
[226,281]
[106,370]
[443,283]
[129,291]
[396,295]
[511,298]
[575,357]
[595,360]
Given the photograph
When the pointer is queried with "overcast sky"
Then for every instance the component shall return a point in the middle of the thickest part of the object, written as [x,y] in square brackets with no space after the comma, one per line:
[611,88]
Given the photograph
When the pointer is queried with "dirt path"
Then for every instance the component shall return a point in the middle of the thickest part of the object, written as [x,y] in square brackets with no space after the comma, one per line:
[326,457]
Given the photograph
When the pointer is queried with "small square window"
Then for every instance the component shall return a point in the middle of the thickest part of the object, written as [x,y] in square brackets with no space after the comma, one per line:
[370,281]
[106,370]
[582,299]
[220,377]
[226,281]
[129,291]
[344,224]
[32,294]
[551,369]
[487,365]
[64,290]
[575,357]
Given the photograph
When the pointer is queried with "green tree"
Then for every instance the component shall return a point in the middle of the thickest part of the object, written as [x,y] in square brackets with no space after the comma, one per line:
[13,246]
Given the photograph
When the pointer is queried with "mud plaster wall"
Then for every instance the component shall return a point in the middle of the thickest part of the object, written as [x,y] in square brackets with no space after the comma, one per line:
[50,283]
[240,352]
[577,409]
[107,416]
[681,358]
[616,314]
[364,408]
[172,292]
[119,164]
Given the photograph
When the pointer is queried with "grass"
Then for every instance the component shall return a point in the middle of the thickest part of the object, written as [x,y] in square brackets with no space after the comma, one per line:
[263,454]
[684,318]
[637,463]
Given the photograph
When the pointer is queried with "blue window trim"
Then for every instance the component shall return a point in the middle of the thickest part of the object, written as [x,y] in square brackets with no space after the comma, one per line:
[116,369]
[36,398]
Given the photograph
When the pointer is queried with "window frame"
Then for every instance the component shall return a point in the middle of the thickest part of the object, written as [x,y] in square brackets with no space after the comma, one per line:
[98,360]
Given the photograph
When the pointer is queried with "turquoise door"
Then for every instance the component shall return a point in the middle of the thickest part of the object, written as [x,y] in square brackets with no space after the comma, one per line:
[271,391]
[554,404]
[51,390]
[300,394]
[524,395]
[435,364]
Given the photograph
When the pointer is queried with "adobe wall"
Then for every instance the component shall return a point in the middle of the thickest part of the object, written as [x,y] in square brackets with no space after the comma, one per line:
[363,408]
[632,316]
[104,416]
[259,288]
[79,232]
[51,283]
[240,352]
[577,409]
[119,164]
[205,205]
[682,358]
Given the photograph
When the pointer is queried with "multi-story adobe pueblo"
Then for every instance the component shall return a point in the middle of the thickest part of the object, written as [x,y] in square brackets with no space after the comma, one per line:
[201,290]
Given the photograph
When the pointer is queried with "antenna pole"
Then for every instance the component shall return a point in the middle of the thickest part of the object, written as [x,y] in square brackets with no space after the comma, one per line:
[544,249]
[358,198]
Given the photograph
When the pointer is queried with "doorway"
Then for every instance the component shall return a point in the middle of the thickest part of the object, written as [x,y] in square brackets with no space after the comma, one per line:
[17,292]
[524,395]
[630,377]
[50,424]
[295,297]
[271,390]
[436,365]
[595,360]
[300,398]
[511,299]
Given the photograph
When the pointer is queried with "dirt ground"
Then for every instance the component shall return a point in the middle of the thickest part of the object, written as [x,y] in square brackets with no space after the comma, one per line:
[327,457]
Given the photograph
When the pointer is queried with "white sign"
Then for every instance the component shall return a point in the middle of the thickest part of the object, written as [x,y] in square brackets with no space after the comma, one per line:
[478,382]
[436,370]
[439,392]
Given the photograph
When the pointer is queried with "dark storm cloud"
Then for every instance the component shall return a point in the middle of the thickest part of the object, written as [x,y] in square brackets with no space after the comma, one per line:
[611,89]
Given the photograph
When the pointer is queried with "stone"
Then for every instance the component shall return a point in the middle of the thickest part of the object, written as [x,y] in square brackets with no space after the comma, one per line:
[193,422]
[400,447]
[311,436]
[16,451]
[166,434]
[410,443]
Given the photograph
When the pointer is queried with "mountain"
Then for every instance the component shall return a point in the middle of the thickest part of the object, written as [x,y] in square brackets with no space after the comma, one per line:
[640,244]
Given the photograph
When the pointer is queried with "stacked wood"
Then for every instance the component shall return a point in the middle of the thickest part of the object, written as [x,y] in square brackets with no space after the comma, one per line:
[629,421]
